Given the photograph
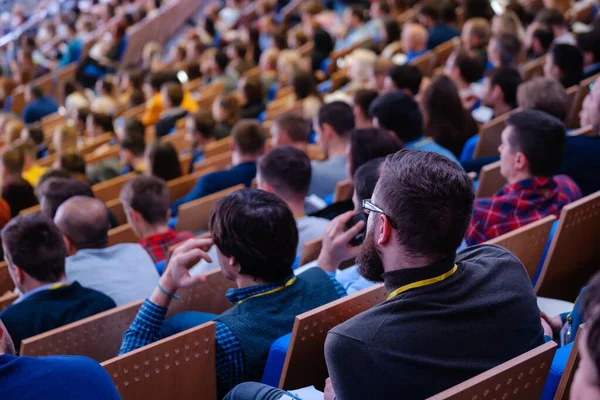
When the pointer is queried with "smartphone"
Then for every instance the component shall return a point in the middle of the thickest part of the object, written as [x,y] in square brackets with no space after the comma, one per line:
[360,237]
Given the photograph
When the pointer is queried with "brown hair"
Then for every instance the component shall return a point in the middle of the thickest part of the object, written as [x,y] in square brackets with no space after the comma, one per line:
[232,107]
[297,128]
[12,161]
[147,195]
[248,136]
[544,94]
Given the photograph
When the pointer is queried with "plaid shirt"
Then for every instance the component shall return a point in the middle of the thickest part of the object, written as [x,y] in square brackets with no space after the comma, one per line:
[519,204]
[158,245]
[229,356]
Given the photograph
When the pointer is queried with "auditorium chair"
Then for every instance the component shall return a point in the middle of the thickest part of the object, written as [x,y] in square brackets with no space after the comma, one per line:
[122,234]
[566,380]
[181,186]
[490,136]
[490,181]
[222,161]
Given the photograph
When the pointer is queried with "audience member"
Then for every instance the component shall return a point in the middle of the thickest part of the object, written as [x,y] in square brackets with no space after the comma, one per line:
[332,125]
[56,188]
[500,90]
[368,144]
[218,71]
[565,64]
[475,36]
[465,68]
[172,97]
[133,147]
[379,73]
[35,134]
[538,42]
[399,113]
[285,172]
[199,131]
[38,105]
[504,50]
[16,191]
[154,105]
[35,253]
[354,19]
[65,139]
[254,98]
[589,43]
[146,203]
[406,78]
[226,112]
[289,129]
[414,41]
[531,152]
[237,54]
[560,28]
[75,164]
[31,170]
[543,94]
[439,32]
[99,124]
[248,141]
[306,94]
[361,102]
[269,295]
[105,101]
[84,223]
[162,161]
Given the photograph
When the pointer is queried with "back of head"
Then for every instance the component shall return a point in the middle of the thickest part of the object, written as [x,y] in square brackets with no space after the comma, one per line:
[248,137]
[37,92]
[406,77]
[304,84]
[338,115]
[269,252]
[149,196]
[480,28]
[55,191]
[416,36]
[399,113]
[135,144]
[367,144]
[12,162]
[157,79]
[204,123]
[551,17]
[104,121]
[134,127]
[540,137]
[33,243]
[429,199]
[73,162]
[508,80]
[65,139]
[254,90]
[363,98]
[221,60]
[544,36]
[164,161]
[544,94]
[569,59]
[509,48]
[470,64]
[366,178]
[589,42]
[288,171]
[478,9]
[36,134]
[296,127]
[174,93]
[84,221]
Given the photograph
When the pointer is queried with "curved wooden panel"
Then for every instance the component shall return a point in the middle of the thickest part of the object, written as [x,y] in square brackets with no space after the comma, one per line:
[181,186]
[311,251]
[122,234]
[490,137]
[6,282]
[343,191]
[490,181]
[110,189]
[7,299]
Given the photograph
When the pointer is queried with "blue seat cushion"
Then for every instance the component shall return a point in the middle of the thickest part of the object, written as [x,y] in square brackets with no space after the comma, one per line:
[275,360]
[556,370]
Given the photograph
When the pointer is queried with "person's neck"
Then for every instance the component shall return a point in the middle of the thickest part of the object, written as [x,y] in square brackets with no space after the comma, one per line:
[244,281]
[297,206]
[462,84]
[501,108]
[11,178]
[33,284]
[337,148]
[147,230]
[238,158]
[402,260]
[518,177]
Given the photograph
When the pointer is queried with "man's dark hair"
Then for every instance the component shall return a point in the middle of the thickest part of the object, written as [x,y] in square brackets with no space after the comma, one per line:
[135,144]
[104,121]
[363,98]
[13,161]
[147,195]
[288,170]
[73,162]
[508,80]
[399,113]
[107,85]
[541,138]
[53,173]
[545,36]
[406,77]
[37,92]
[509,47]
[55,191]
[358,12]
[269,252]
[366,177]
[367,144]
[569,59]
[589,42]
[36,134]
[429,199]
[248,136]
[551,17]
[221,60]
[174,93]
[158,78]
[34,244]
[431,10]
[134,127]
[240,49]
[254,90]
[338,115]
[204,123]
[297,128]
[470,64]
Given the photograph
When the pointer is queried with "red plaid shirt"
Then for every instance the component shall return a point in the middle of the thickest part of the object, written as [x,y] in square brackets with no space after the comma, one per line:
[157,245]
[519,204]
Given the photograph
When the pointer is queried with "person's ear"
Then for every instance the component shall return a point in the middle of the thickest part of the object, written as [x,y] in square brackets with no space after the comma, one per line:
[234,265]
[385,231]
[328,132]
[521,162]
[19,276]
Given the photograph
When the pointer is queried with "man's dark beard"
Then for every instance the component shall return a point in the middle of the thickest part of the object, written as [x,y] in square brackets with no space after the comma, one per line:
[370,265]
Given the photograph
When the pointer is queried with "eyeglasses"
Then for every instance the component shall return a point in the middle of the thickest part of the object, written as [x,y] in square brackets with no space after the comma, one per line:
[369,207]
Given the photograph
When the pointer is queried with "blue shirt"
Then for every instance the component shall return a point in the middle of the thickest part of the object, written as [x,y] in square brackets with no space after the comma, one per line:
[411,55]
[426,144]
[54,378]
[441,33]
[229,356]
[355,36]
[242,173]
[38,109]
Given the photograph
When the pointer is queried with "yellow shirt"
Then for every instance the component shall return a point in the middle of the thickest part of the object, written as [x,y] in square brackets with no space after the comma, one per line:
[33,174]
[154,107]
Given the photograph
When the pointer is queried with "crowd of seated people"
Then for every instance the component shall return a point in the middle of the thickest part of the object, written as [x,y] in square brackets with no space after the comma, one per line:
[345,124]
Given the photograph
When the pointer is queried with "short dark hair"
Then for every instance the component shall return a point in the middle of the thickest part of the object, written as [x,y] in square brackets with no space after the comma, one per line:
[470,64]
[399,113]
[12,161]
[431,10]
[304,84]
[254,90]
[53,173]
[36,133]
[366,177]
[269,252]
[545,36]
[55,191]
[288,170]
[147,195]
[158,78]
[297,128]
[429,198]
[221,60]
[363,98]
[338,115]
[133,126]
[204,123]
[240,49]
[249,136]
[107,85]
[509,47]
[508,80]
[406,77]
[36,91]
[104,121]
[589,42]
[551,17]
[164,161]
[73,162]
[135,144]
[33,243]
[174,93]
[358,12]
[541,137]
[569,59]
[367,144]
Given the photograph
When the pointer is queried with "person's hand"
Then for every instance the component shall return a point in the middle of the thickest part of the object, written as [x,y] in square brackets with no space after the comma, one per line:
[554,323]
[328,393]
[177,274]
[336,247]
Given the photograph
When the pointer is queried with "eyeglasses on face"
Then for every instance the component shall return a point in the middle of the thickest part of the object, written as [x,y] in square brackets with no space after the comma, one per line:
[369,207]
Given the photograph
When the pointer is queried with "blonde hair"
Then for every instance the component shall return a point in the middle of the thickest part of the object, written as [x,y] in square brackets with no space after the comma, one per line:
[13,129]
[508,22]
[360,65]
[287,64]
[268,59]
[479,27]
[231,105]
[65,139]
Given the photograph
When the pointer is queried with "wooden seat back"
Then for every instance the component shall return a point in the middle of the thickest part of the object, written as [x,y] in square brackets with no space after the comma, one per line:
[573,93]
[193,216]
[533,68]
[179,367]
[305,359]
[574,254]
[110,189]
[528,243]
[95,158]
[219,162]
[564,385]
[343,191]
[7,299]
[178,140]
[116,208]
[98,337]
[425,63]
[217,148]
[443,51]
[521,378]
[490,137]
[311,251]
[209,94]
[181,186]
[6,282]
[122,234]
[490,180]
[31,210]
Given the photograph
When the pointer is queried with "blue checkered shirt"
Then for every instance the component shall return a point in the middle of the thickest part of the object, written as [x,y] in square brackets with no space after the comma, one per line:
[229,356]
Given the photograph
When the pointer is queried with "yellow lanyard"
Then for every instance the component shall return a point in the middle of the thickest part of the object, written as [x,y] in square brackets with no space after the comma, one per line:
[422,283]
[288,283]
[58,285]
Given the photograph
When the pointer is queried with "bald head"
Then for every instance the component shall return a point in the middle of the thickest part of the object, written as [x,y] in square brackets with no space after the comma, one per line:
[414,38]
[84,221]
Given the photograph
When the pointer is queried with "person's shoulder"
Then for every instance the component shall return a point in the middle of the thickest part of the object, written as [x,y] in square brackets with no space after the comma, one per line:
[568,185]
[488,255]
[99,299]
[132,250]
